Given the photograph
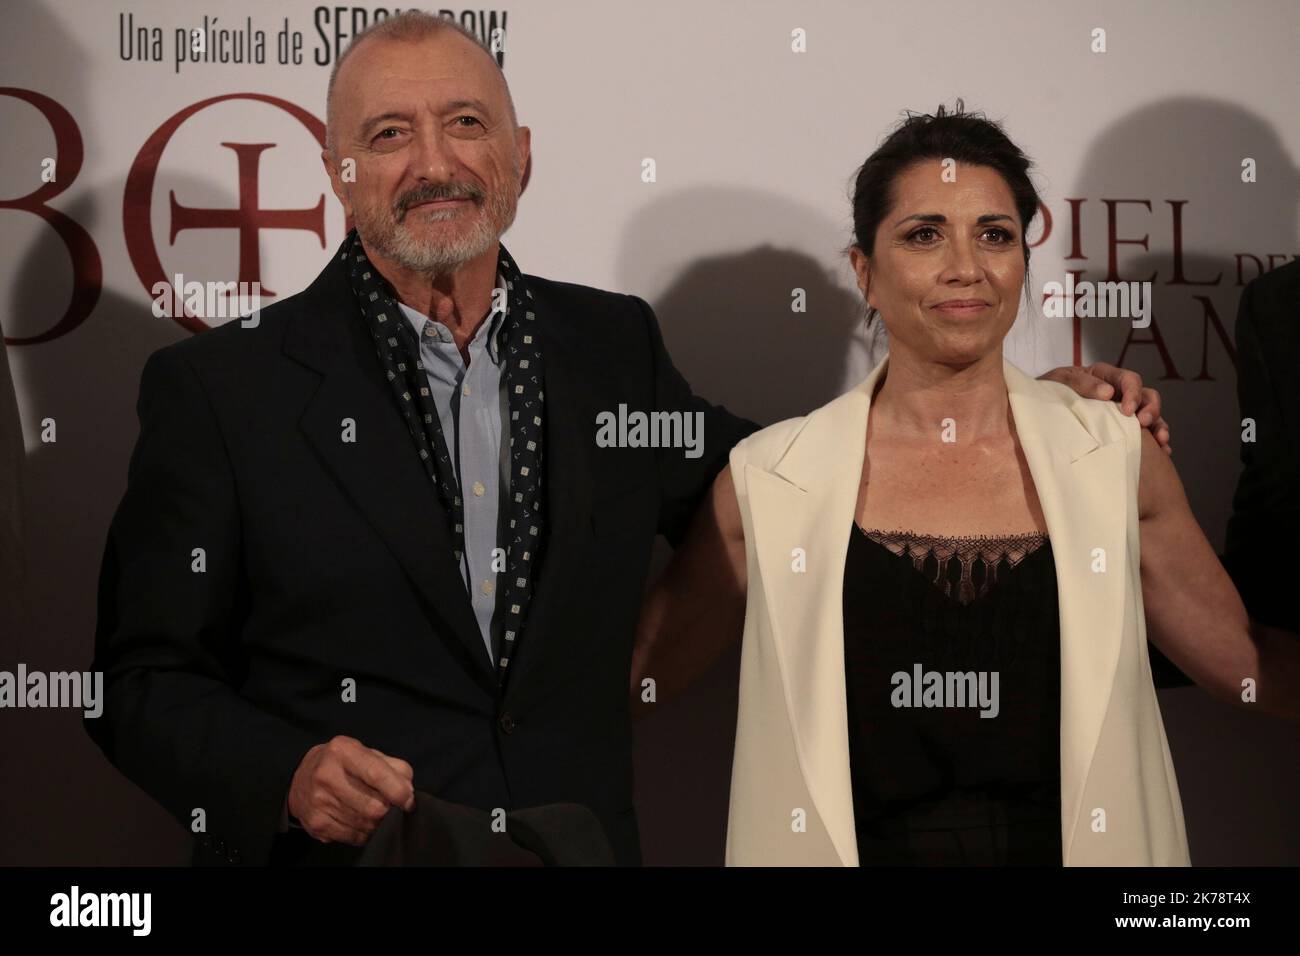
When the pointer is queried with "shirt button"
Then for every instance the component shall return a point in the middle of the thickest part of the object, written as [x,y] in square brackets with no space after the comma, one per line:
[479,489]
[464,390]
[487,587]
[507,723]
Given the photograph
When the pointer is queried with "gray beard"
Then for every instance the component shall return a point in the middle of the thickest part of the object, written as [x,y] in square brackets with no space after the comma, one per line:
[389,237]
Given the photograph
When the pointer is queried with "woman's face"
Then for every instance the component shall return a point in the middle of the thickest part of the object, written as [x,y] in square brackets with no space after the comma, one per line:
[948,264]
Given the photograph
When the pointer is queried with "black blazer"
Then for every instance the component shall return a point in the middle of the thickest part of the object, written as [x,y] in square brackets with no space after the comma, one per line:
[1265,521]
[327,560]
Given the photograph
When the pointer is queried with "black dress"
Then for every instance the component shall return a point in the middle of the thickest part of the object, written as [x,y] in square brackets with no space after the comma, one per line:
[934,782]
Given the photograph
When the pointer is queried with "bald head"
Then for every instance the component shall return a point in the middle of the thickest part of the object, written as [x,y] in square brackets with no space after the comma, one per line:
[448,44]
[423,149]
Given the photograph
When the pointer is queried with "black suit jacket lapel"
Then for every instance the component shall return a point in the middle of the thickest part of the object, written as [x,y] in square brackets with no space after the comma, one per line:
[380,471]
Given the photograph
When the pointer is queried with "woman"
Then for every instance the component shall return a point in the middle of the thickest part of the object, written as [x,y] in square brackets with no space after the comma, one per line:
[948,575]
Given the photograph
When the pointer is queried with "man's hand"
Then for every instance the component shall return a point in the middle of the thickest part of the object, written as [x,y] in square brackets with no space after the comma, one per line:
[1104,381]
[342,789]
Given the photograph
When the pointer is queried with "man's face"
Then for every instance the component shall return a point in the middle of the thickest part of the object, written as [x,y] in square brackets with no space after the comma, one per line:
[438,161]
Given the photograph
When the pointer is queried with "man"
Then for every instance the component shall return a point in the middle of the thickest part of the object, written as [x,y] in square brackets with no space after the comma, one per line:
[371,544]
[1265,519]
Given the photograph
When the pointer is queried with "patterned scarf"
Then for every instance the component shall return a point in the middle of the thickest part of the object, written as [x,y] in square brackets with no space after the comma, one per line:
[399,354]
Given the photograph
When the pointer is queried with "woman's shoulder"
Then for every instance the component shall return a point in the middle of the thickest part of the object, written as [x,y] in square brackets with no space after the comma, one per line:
[765,447]
[804,442]
[844,414]
[1103,419]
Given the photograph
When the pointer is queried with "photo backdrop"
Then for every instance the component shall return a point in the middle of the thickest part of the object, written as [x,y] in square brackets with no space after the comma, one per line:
[1139,116]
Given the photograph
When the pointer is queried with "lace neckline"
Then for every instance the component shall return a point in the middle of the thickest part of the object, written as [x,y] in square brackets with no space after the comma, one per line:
[908,533]
[989,550]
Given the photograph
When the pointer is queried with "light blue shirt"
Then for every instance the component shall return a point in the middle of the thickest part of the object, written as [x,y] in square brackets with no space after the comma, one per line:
[472,404]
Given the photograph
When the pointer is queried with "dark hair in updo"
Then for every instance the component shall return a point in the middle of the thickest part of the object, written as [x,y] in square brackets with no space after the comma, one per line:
[970,138]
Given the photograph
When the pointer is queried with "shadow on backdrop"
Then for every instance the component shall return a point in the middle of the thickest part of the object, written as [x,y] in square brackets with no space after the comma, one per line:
[1239,774]
[70,806]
